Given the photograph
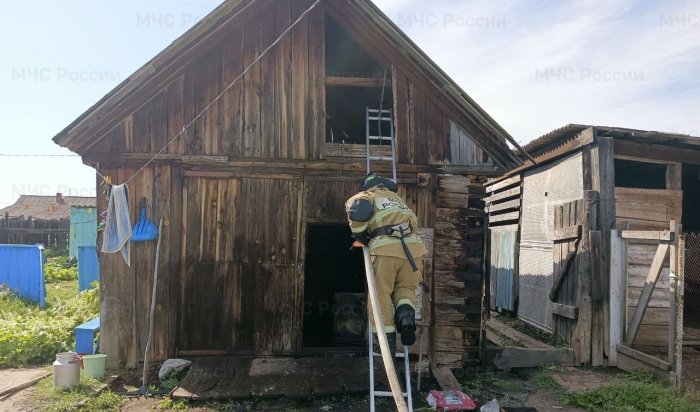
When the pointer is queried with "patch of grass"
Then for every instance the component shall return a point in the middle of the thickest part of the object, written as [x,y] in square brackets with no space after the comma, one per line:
[83,397]
[543,378]
[509,386]
[636,392]
[61,291]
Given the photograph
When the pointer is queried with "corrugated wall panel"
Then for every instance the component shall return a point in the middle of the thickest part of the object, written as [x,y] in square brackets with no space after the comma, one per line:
[22,270]
[543,189]
[503,268]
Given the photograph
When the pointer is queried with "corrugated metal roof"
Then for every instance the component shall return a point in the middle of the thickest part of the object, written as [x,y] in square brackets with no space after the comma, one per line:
[46,207]
[561,135]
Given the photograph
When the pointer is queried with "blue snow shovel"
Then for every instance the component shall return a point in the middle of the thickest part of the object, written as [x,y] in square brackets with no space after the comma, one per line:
[144,230]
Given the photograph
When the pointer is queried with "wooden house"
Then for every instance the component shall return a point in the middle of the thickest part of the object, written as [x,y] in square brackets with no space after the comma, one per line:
[34,219]
[255,242]
[580,237]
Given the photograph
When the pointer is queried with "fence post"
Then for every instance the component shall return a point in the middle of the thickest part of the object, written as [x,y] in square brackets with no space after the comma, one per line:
[618,294]
[675,325]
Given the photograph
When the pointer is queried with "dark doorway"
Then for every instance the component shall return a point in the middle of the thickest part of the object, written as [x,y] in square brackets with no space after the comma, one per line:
[334,289]
[691,197]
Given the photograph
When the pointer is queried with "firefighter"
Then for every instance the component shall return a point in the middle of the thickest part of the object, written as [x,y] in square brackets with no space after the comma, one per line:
[380,219]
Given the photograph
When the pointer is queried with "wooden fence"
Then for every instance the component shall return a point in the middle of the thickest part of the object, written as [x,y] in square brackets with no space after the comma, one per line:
[20,231]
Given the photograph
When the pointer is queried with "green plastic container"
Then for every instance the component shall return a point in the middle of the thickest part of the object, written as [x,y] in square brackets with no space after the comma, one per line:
[94,365]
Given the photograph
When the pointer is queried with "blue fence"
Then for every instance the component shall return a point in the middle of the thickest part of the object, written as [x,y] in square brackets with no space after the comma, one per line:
[83,228]
[22,270]
[88,267]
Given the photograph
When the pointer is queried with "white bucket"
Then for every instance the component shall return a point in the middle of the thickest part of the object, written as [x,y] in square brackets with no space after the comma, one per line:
[66,370]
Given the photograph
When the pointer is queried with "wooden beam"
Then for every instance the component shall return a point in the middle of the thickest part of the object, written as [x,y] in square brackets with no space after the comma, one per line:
[641,356]
[662,236]
[660,152]
[653,276]
[676,285]
[504,217]
[446,379]
[502,184]
[512,204]
[503,195]
[566,311]
[567,233]
[512,357]
[561,273]
[516,335]
[356,81]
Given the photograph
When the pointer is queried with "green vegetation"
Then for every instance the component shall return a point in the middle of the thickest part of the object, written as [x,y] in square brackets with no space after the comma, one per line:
[636,392]
[84,397]
[60,269]
[30,335]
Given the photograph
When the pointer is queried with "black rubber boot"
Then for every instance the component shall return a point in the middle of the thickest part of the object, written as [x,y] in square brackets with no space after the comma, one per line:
[391,337]
[405,319]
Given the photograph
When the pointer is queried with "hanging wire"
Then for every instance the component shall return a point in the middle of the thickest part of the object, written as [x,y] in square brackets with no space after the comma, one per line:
[209,105]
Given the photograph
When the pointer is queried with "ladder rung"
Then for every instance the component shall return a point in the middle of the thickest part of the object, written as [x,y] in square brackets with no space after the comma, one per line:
[388,394]
[381,158]
[377,111]
[384,119]
[398,354]
[386,138]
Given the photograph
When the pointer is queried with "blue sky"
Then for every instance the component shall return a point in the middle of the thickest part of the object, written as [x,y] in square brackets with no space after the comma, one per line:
[534,65]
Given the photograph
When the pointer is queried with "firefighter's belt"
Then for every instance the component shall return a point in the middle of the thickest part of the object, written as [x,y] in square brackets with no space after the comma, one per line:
[400,231]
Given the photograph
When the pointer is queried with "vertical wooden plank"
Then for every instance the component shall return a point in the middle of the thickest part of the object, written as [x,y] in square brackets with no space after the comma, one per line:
[597,329]
[268,114]
[300,83]
[251,89]
[232,100]
[175,112]
[211,119]
[434,133]
[317,81]
[604,183]
[674,176]
[176,230]
[418,125]
[283,79]
[456,154]
[401,115]
[618,295]
[111,330]
[582,339]
[446,139]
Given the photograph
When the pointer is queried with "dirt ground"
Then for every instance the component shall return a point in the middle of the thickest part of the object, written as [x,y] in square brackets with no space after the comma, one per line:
[517,388]
[20,401]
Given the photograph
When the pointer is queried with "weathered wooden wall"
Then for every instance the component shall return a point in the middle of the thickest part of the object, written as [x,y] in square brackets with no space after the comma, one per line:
[458,269]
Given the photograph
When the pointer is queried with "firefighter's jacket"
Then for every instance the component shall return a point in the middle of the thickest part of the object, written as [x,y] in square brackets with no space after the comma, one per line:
[379,207]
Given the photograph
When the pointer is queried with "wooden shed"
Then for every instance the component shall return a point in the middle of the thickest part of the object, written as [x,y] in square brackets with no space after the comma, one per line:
[588,231]
[255,257]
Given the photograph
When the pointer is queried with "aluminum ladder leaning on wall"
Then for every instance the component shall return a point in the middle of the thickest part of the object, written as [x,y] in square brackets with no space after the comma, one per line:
[383,116]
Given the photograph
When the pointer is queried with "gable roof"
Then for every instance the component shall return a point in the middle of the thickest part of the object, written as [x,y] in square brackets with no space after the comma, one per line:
[493,139]
[46,207]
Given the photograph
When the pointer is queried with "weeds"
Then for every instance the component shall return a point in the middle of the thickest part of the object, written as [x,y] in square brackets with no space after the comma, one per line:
[636,392]
[29,335]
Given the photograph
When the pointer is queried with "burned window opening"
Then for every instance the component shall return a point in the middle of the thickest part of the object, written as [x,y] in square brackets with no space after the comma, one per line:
[640,175]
